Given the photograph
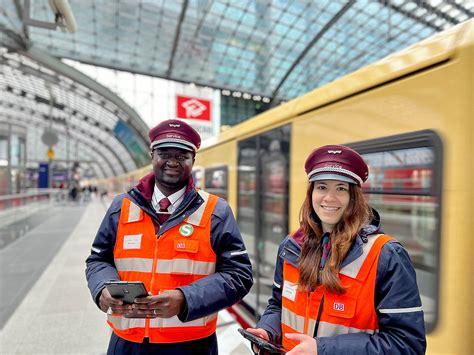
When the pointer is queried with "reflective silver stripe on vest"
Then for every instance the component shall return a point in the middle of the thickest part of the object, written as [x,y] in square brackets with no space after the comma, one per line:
[326,329]
[122,323]
[353,268]
[292,320]
[185,266]
[196,217]
[175,322]
[133,213]
[134,264]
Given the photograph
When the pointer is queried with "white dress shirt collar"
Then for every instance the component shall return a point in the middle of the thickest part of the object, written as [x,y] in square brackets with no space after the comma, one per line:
[175,199]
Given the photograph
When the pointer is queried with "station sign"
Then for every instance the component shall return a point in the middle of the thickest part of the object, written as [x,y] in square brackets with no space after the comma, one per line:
[193,108]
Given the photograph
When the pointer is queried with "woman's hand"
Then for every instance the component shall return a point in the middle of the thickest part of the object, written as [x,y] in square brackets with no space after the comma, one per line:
[307,345]
[261,333]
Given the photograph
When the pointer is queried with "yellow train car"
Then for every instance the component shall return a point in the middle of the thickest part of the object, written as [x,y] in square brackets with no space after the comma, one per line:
[411,116]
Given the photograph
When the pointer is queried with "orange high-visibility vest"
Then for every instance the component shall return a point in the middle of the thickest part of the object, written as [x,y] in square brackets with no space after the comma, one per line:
[163,262]
[350,312]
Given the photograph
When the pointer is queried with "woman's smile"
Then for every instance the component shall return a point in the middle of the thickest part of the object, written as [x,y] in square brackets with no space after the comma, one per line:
[330,201]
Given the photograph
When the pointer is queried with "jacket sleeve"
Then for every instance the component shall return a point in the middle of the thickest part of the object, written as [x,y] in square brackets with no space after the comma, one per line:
[100,266]
[271,318]
[233,277]
[398,306]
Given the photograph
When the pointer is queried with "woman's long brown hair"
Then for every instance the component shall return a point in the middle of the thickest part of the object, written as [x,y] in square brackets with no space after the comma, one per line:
[357,214]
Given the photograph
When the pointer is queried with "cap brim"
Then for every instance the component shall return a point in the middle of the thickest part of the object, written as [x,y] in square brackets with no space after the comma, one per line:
[336,177]
[173,145]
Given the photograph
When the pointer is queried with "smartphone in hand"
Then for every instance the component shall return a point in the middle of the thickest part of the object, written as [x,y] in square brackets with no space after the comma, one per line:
[126,291]
[268,346]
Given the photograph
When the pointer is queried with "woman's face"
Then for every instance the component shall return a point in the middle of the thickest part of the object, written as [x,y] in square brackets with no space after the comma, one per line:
[330,201]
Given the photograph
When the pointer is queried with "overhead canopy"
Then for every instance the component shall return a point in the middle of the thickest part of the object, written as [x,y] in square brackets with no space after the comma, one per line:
[94,126]
[275,49]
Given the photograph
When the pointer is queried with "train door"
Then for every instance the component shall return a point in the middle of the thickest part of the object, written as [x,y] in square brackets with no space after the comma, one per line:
[262,200]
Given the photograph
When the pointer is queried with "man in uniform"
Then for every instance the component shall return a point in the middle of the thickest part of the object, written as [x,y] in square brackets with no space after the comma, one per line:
[183,243]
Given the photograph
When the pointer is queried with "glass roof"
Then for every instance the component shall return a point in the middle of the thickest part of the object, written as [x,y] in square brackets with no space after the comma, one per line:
[277,49]
[274,48]
[87,124]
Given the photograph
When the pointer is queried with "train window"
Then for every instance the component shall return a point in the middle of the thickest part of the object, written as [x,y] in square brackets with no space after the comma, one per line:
[263,204]
[215,181]
[404,187]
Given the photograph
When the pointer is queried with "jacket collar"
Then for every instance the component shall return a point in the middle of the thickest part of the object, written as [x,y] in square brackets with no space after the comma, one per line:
[146,186]
[143,192]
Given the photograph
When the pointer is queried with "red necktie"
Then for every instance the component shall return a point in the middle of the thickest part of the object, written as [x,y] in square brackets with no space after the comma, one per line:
[164,204]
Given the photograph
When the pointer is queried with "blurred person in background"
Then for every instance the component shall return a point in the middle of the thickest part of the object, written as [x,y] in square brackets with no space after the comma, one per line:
[184,245]
[341,286]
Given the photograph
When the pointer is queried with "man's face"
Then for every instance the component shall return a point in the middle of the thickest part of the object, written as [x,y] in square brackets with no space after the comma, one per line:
[172,168]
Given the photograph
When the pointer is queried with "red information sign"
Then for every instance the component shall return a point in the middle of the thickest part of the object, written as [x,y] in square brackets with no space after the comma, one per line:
[192,107]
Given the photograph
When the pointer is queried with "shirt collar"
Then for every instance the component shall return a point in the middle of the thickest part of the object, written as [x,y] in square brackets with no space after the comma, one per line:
[175,198]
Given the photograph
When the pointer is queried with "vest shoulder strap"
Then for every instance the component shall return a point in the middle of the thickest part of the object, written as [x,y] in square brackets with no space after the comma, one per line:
[360,267]
[202,215]
[130,212]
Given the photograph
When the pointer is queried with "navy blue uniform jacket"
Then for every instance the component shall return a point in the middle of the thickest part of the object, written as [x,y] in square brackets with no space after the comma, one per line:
[397,302]
[228,285]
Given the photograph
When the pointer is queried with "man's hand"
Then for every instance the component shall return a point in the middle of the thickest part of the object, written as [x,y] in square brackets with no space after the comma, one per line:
[106,301]
[307,345]
[165,305]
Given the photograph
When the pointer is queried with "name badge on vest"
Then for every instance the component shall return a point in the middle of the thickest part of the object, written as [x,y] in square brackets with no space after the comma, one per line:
[289,290]
[132,241]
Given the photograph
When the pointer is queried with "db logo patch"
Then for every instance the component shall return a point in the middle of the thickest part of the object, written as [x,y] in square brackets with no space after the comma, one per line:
[337,306]
[186,230]
[181,245]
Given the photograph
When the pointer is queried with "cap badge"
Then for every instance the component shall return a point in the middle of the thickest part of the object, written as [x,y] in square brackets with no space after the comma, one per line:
[334,151]
[186,230]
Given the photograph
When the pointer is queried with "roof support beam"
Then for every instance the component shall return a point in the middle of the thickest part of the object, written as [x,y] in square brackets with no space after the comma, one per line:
[176,38]
[409,14]
[460,8]
[135,121]
[310,45]
[437,12]
[83,141]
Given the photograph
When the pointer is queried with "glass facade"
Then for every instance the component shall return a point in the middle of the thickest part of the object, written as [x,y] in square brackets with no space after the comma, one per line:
[12,159]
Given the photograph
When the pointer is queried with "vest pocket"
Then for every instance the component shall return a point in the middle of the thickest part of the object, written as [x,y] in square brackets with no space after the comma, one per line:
[342,307]
[185,245]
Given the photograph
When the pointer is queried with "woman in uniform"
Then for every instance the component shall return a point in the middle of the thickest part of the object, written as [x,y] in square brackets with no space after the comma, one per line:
[341,286]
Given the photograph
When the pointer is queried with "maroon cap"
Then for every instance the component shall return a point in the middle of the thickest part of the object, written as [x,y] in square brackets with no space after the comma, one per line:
[174,134]
[336,162]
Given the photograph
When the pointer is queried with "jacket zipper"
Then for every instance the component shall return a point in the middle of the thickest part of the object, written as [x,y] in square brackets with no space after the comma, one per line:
[306,317]
[153,268]
[155,259]
[320,311]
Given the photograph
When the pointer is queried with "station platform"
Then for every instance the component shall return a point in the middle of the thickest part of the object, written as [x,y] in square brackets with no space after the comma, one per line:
[46,307]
